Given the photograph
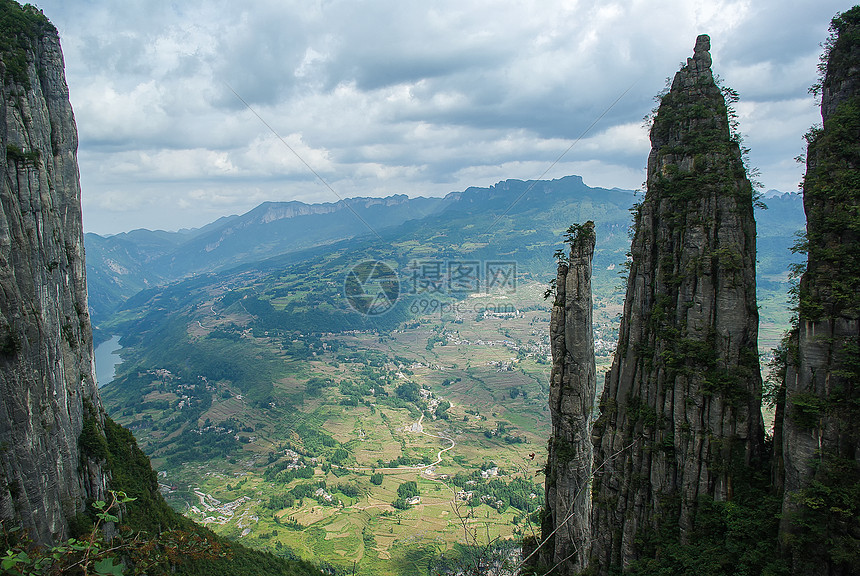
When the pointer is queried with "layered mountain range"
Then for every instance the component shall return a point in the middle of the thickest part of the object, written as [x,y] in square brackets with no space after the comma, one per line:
[512,219]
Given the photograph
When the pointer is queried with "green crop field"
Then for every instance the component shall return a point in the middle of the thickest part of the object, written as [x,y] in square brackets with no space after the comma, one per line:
[314,468]
[300,444]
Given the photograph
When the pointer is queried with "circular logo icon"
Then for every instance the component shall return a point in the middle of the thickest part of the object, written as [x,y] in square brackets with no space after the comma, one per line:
[372,287]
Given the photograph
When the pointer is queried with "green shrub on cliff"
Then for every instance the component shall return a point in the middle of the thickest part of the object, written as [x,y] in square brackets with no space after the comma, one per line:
[20,28]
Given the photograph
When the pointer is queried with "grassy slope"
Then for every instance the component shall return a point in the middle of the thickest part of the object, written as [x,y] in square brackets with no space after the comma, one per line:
[131,473]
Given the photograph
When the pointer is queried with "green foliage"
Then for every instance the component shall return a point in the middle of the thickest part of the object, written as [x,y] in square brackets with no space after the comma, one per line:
[16,154]
[843,26]
[280,473]
[575,235]
[405,491]
[182,547]
[408,391]
[441,409]
[376,478]
[408,489]
[579,233]
[20,29]
[132,473]
[349,490]
[281,501]
[201,444]
[807,410]
[88,554]
[339,456]
[707,113]
[91,441]
[734,538]
[316,442]
[824,518]
[315,386]
[832,191]
[773,389]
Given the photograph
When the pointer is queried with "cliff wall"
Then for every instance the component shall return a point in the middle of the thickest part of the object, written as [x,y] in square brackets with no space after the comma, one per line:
[47,384]
[820,439]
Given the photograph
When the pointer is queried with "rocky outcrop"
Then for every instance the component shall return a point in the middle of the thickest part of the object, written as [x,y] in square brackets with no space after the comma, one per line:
[47,384]
[566,531]
[680,412]
[820,432]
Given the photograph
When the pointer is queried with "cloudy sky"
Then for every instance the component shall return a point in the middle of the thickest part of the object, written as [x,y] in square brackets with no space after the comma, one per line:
[383,97]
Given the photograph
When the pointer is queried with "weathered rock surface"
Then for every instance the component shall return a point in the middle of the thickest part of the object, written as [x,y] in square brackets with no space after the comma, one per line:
[566,530]
[680,411]
[821,427]
[46,356]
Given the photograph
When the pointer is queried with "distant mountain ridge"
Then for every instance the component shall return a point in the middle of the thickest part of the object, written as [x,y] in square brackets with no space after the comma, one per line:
[514,218]
[123,264]
[276,227]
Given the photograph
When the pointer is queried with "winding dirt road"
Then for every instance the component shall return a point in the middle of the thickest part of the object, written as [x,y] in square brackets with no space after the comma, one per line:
[417,427]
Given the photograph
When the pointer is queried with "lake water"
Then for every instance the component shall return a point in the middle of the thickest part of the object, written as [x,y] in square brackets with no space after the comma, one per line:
[107,358]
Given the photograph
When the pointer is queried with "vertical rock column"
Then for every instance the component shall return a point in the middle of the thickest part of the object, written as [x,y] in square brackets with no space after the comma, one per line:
[680,411]
[46,356]
[566,533]
[821,428]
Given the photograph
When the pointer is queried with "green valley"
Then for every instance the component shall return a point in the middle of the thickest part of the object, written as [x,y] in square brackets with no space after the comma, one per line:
[457,406]
[279,415]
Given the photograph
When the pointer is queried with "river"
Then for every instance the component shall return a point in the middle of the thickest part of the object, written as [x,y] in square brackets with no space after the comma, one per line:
[107,359]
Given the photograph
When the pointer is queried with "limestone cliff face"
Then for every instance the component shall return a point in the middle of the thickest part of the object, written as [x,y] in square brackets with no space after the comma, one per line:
[821,434]
[566,531]
[680,412]
[46,356]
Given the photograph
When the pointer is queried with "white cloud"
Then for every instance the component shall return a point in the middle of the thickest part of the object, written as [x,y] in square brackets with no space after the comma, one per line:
[391,97]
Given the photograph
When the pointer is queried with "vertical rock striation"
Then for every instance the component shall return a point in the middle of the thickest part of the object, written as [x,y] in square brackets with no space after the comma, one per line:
[680,412]
[46,358]
[821,434]
[566,531]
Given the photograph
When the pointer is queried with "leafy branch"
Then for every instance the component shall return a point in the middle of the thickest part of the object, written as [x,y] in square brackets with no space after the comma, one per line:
[90,555]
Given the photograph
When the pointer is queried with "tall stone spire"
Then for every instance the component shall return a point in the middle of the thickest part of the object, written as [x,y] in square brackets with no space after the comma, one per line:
[566,531]
[680,411]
